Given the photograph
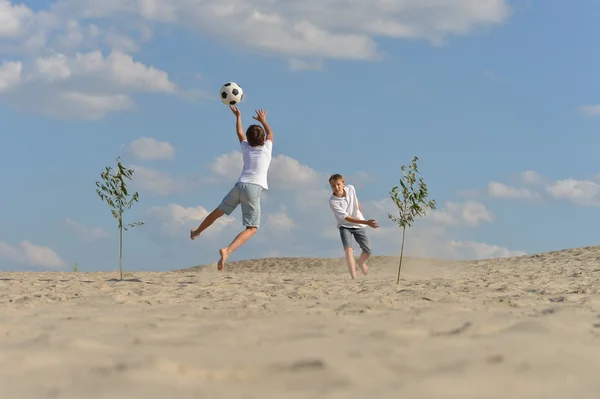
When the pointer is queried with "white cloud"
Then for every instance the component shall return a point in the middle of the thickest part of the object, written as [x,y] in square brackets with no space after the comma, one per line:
[309,212]
[32,33]
[228,165]
[146,148]
[582,192]
[531,177]
[431,240]
[10,75]
[591,110]
[316,197]
[13,17]
[432,236]
[287,172]
[284,172]
[280,221]
[478,250]
[85,86]
[499,190]
[177,220]
[312,28]
[154,181]
[55,67]
[88,234]
[117,70]
[470,213]
[303,65]
[29,254]
[114,40]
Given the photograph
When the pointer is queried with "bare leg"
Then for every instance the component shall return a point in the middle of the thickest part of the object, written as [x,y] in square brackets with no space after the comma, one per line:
[210,219]
[361,262]
[235,244]
[350,262]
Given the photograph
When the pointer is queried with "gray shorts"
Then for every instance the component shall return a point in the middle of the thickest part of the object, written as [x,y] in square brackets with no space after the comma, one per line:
[360,235]
[248,195]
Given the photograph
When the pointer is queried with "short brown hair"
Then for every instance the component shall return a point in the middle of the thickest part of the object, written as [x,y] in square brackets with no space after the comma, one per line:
[335,177]
[255,135]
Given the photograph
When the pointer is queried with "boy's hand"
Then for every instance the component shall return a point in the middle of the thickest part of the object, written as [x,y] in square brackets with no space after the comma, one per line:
[261,116]
[372,223]
[235,110]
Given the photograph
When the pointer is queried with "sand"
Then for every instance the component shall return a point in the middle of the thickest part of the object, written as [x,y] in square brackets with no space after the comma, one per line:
[524,327]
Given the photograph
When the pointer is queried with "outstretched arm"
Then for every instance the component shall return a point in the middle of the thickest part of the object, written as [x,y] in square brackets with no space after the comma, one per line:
[261,116]
[370,222]
[239,129]
[341,214]
[268,130]
[238,123]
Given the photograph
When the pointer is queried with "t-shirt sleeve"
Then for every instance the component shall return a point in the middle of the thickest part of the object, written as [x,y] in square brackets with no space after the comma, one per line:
[339,213]
[352,192]
[351,189]
[268,145]
[244,144]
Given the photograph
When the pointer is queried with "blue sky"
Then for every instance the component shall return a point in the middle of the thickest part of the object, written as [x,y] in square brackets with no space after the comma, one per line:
[499,100]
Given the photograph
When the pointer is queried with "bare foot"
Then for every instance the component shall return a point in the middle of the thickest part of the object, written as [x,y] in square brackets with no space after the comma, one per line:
[365,268]
[194,234]
[224,256]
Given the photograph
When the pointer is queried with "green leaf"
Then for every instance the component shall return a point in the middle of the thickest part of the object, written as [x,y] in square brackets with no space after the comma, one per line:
[114,191]
[410,197]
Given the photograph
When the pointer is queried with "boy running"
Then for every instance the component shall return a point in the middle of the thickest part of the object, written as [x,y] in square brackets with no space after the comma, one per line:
[350,222]
[256,151]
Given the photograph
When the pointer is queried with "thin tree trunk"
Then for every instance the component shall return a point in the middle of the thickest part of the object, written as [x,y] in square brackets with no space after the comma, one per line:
[121,249]
[401,254]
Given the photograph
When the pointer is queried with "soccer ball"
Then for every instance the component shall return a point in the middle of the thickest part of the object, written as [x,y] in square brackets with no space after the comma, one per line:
[231,93]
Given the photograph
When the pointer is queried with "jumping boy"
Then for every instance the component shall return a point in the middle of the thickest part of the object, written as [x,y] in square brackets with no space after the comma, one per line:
[350,222]
[256,152]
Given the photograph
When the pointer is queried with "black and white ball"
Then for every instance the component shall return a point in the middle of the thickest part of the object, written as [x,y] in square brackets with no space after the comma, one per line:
[231,93]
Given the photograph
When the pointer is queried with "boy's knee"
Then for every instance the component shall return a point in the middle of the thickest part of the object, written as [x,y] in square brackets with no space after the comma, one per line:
[366,248]
[223,209]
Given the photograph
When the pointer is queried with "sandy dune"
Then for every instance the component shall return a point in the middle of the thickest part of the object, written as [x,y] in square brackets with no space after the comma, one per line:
[525,327]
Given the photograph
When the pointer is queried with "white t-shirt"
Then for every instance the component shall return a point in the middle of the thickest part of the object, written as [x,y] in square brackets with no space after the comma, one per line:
[346,206]
[256,163]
